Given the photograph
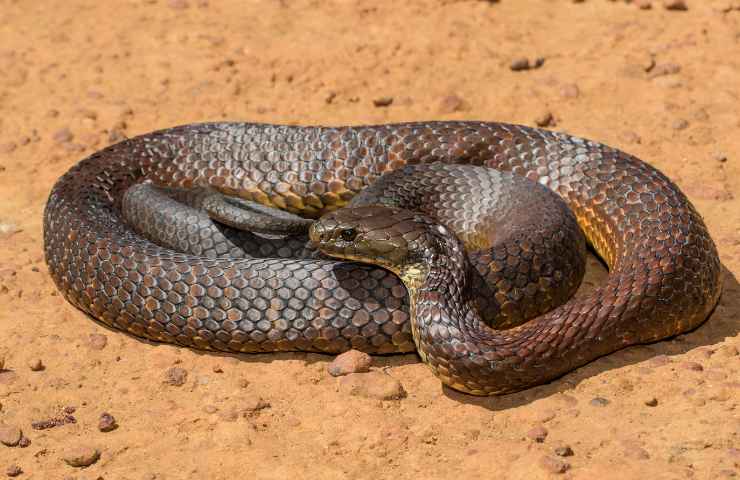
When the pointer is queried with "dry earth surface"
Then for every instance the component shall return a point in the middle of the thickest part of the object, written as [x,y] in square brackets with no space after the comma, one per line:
[661,83]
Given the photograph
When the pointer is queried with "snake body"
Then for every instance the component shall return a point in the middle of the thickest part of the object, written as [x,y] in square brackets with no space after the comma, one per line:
[664,269]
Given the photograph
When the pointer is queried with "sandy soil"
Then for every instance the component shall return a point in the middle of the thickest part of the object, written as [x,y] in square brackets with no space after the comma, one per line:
[76,75]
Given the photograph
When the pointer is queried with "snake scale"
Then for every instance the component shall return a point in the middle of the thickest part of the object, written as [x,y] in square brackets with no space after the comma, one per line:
[665,275]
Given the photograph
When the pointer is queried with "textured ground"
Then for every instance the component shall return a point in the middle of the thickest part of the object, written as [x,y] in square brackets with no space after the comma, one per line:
[76,75]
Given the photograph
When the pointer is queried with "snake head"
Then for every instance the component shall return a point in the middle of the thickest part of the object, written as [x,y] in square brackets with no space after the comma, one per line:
[393,238]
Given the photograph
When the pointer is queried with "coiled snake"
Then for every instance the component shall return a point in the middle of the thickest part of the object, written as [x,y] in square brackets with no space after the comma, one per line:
[664,269]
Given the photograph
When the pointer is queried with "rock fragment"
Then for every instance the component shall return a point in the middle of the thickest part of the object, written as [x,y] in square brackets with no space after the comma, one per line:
[107,422]
[545,119]
[563,451]
[13,471]
[57,421]
[520,64]
[10,435]
[352,361]
[383,101]
[678,5]
[81,456]
[97,341]
[36,365]
[693,366]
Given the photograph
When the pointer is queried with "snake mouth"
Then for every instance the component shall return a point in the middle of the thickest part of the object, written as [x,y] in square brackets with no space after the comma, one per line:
[338,243]
[352,240]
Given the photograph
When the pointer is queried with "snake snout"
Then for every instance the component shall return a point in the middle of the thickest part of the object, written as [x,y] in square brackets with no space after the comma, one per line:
[389,237]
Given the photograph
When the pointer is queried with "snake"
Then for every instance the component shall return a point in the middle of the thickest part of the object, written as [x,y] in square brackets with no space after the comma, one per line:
[390,277]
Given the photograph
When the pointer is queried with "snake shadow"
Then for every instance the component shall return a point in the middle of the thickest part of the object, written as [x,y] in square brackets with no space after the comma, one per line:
[723,323]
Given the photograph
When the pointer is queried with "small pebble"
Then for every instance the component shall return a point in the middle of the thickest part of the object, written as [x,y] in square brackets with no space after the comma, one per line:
[13,471]
[210,409]
[352,361]
[538,434]
[383,101]
[451,104]
[10,435]
[98,341]
[553,464]
[720,157]
[545,119]
[25,442]
[599,402]
[679,5]
[651,402]
[57,421]
[176,376]
[218,369]
[693,366]
[63,136]
[680,124]
[81,456]
[519,64]
[564,451]
[107,423]
[643,4]
[36,365]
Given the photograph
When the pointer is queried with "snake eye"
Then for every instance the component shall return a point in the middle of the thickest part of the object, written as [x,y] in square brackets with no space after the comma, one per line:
[348,234]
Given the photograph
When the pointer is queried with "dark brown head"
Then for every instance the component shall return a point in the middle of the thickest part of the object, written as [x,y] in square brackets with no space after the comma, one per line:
[399,240]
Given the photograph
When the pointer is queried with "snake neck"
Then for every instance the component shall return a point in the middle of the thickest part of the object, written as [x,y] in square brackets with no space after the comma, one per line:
[440,301]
